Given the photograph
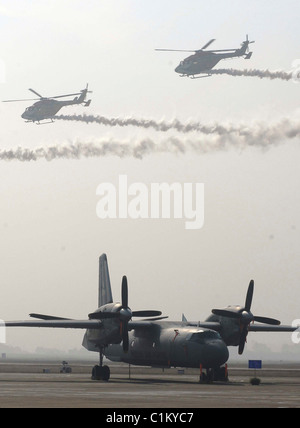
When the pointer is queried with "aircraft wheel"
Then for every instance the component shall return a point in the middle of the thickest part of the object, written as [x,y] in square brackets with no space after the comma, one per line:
[96,373]
[210,376]
[203,378]
[101,373]
[105,373]
[221,375]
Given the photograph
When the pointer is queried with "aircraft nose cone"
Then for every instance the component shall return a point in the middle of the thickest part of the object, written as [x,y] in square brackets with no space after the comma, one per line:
[217,354]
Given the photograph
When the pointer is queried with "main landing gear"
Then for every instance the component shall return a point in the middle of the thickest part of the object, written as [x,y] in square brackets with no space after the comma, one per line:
[101,372]
[214,375]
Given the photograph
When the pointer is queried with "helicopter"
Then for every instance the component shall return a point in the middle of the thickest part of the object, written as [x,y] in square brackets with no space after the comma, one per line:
[203,61]
[47,107]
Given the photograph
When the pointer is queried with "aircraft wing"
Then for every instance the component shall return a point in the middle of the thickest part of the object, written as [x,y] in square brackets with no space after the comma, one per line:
[271,328]
[148,324]
[57,323]
[216,326]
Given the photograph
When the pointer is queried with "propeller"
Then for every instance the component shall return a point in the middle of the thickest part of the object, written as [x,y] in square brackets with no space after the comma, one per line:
[245,317]
[124,314]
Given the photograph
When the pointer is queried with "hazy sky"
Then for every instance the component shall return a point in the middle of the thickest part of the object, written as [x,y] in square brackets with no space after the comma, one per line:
[50,235]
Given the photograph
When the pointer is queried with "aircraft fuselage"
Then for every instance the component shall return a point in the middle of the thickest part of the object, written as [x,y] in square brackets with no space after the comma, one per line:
[166,344]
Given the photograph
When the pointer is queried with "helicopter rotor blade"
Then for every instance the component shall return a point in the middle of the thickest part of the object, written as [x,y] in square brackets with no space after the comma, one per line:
[221,50]
[207,44]
[174,50]
[36,93]
[67,95]
[27,99]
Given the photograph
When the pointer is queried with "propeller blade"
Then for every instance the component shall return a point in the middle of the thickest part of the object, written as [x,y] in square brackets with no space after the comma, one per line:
[47,317]
[103,315]
[125,342]
[243,340]
[207,44]
[125,335]
[249,297]
[226,313]
[124,292]
[265,320]
[146,313]
[241,348]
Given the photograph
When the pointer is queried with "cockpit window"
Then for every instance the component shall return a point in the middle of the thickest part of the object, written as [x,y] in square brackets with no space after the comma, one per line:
[202,336]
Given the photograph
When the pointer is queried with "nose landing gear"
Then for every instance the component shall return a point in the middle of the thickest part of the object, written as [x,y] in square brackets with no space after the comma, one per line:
[101,372]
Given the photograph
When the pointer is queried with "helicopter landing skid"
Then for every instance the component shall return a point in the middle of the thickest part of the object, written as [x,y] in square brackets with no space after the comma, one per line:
[193,76]
[200,77]
[45,123]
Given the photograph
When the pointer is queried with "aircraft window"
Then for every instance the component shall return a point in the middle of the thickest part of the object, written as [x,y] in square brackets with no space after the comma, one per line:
[202,336]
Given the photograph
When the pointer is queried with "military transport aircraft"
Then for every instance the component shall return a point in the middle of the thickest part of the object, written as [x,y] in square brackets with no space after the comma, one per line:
[154,341]
[203,61]
[47,107]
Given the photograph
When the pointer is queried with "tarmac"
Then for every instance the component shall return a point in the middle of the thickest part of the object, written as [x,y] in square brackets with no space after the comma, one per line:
[41,385]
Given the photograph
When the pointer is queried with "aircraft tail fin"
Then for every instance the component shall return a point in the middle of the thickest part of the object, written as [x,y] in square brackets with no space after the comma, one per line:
[83,95]
[105,294]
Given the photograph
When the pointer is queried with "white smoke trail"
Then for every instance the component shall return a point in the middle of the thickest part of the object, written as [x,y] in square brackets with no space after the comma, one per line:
[162,125]
[262,74]
[145,147]
[256,131]
[92,149]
